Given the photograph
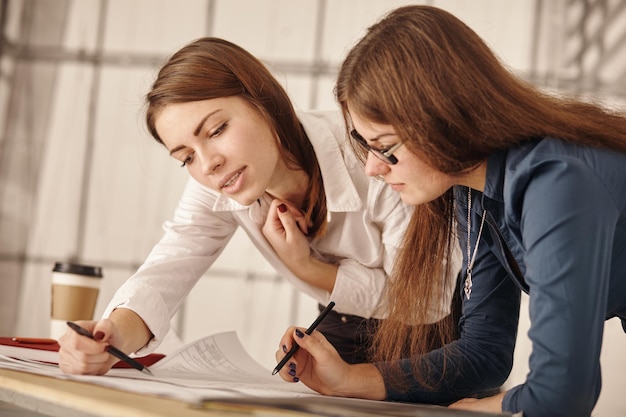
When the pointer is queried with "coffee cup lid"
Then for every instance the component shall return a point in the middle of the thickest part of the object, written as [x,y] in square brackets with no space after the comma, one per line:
[78,269]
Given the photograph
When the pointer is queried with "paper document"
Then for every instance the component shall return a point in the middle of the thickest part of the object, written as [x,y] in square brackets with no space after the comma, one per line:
[213,367]
[216,373]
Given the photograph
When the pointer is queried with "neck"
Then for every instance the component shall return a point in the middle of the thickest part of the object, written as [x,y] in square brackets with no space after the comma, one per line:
[289,185]
[476,177]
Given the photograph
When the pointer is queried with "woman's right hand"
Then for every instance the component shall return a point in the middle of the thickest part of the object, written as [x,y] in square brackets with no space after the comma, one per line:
[84,356]
[318,366]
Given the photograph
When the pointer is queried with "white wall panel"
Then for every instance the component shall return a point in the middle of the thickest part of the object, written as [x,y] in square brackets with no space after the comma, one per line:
[134,184]
[347,20]
[54,229]
[81,28]
[506,26]
[153,26]
[270,29]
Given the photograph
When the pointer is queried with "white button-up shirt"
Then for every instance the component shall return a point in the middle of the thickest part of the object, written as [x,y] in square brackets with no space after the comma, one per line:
[366,222]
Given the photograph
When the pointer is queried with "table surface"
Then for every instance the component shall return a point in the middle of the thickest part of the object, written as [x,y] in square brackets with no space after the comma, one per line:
[65,398]
[59,397]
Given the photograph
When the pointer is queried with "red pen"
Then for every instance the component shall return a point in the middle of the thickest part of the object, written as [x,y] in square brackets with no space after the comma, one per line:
[34,340]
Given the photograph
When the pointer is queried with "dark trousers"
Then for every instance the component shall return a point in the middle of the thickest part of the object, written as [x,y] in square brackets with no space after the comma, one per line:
[350,335]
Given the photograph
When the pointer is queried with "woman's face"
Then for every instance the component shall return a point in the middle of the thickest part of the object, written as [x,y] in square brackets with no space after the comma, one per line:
[415,180]
[225,144]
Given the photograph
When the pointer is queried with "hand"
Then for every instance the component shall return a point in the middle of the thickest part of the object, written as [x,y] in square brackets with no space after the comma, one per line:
[285,228]
[318,365]
[491,404]
[84,356]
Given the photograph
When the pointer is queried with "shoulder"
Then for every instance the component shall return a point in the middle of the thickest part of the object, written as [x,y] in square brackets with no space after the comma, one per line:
[321,125]
[554,176]
[555,159]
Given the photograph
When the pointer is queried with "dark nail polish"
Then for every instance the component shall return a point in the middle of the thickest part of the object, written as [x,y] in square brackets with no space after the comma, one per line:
[285,348]
[292,372]
[98,336]
[299,333]
[292,365]
[296,379]
[282,207]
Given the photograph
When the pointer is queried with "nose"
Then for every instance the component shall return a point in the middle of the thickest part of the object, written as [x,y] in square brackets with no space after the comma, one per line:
[374,166]
[210,162]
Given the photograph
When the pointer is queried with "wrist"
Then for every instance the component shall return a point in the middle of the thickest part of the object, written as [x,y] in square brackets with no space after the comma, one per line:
[363,381]
[316,272]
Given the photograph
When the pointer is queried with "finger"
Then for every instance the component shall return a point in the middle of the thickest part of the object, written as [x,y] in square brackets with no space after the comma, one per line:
[297,214]
[79,357]
[73,341]
[103,331]
[287,340]
[288,219]
[313,342]
[83,364]
[282,207]
[462,403]
[288,371]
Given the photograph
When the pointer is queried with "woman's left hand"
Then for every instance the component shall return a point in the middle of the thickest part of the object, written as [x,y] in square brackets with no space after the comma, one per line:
[489,404]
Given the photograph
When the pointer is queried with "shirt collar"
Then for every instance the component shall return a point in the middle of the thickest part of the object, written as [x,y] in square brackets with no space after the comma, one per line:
[494,180]
[329,146]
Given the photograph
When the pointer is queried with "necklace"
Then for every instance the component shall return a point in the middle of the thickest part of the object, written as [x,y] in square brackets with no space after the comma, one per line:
[470,260]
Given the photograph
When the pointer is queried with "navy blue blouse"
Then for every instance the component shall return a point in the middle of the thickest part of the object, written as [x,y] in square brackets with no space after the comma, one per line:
[561,211]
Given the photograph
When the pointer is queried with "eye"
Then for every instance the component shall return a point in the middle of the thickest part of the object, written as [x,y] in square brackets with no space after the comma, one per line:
[186,161]
[218,131]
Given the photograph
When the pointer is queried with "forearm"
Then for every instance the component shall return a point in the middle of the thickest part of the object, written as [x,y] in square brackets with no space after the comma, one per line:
[316,272]
[363,381]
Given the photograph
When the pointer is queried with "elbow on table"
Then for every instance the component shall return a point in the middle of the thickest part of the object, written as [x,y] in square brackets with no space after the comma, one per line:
[578,401]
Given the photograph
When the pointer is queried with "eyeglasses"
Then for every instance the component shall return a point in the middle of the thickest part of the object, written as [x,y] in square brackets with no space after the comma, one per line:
[386,155]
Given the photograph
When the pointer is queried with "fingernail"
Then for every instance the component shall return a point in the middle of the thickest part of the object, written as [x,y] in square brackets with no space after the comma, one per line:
[292,372]
[296,379]
[282,207]
[98,336]
[292,365]
[285,348]
[299,333]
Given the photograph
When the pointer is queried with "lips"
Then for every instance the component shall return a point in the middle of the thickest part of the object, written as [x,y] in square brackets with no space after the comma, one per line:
[230,179]
[396,186]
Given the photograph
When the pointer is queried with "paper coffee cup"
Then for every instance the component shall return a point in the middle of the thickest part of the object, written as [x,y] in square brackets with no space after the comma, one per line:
[75,291]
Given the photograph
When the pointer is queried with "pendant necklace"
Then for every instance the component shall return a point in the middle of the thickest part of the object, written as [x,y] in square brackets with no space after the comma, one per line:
[470,260]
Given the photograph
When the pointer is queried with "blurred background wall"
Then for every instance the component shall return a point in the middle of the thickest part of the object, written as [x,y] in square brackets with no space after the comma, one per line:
[81,180]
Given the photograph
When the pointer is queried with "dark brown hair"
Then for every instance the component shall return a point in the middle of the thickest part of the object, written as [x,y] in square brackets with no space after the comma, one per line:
[211,68]
[452,103]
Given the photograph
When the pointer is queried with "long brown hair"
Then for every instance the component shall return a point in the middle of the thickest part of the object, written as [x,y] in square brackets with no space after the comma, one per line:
[452,103]
[209,68]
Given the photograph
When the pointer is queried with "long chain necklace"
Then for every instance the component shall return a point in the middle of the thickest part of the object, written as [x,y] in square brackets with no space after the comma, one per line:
[470,261]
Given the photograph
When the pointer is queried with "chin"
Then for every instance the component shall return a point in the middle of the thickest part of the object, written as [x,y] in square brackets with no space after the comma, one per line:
[408,199]
[413,200]
[244,200]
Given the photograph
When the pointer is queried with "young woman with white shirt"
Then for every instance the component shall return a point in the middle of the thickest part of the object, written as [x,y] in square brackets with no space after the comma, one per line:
[288,179]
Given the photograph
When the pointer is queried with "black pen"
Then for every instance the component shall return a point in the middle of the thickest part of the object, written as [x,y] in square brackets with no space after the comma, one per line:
[111,349]
[296,346]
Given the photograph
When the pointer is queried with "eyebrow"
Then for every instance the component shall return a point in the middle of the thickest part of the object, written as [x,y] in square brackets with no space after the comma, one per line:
[381,136]
[196,131]
[377,138]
